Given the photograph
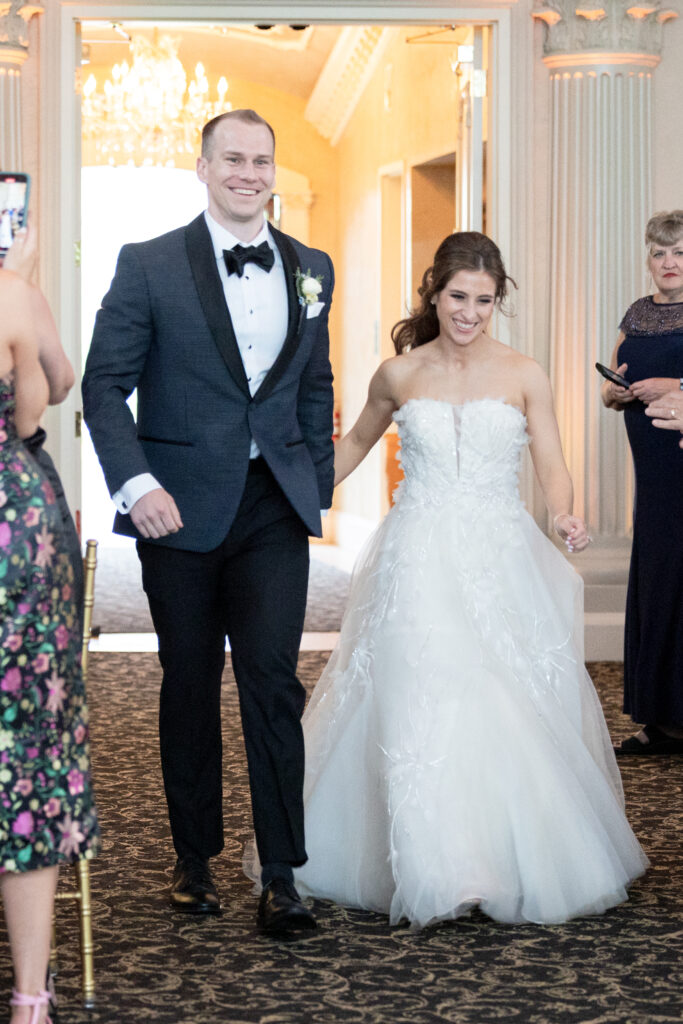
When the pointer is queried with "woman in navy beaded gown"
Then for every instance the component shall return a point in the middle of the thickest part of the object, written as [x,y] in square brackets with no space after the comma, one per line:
[649,353]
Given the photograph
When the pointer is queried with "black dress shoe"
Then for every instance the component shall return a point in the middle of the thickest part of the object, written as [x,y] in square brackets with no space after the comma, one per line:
[280,910]
[193,889]
[659,744]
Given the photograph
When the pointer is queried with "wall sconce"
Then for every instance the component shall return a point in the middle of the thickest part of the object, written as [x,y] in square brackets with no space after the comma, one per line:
[462,60]
[462,65]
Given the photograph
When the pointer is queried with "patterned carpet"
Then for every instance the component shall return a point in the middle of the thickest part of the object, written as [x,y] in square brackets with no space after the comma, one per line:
[121,604]
[153,966]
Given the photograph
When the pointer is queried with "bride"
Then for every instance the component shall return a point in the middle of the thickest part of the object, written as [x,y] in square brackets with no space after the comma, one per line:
[456,751]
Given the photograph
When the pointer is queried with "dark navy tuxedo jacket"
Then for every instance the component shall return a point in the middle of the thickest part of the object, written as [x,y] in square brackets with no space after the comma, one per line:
[165,329]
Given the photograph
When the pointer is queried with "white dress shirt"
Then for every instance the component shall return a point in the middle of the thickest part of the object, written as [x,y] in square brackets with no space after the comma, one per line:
[259,312]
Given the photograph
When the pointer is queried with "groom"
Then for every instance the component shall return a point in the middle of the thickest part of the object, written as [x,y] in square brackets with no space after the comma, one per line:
[222,328]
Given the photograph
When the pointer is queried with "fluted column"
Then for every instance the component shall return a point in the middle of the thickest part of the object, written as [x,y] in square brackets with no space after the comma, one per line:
[14,19]
[601,57]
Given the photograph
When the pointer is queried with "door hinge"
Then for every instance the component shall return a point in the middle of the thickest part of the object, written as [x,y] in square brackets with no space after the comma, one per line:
[78,420]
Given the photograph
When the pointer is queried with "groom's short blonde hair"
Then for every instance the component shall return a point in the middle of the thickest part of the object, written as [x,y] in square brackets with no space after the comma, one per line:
[245,115]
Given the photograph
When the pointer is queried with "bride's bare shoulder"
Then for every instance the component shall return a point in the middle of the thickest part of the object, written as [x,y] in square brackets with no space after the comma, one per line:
[398,369]
[524,366]
[531,379]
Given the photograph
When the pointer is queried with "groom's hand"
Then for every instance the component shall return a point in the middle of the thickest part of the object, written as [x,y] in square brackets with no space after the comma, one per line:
[156,514]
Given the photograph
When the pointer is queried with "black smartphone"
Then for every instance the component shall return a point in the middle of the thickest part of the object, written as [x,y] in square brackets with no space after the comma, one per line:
[14,192]
[612,375]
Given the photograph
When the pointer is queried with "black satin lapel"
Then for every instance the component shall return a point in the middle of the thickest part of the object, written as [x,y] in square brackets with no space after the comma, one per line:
[296,314]
[212,298]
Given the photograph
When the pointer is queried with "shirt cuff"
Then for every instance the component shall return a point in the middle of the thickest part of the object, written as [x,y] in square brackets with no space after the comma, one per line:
[133,490]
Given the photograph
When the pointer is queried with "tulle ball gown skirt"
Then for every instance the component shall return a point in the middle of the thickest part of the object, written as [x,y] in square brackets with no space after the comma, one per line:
[457,755]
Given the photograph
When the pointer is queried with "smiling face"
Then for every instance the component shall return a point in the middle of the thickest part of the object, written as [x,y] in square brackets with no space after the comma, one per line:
[239,174]
[465,306]
[666,266]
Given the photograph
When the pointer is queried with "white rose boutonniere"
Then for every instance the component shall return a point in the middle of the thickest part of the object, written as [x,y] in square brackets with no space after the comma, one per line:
[308,288]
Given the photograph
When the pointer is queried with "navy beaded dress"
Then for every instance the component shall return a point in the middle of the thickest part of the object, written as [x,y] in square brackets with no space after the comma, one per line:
[653,642]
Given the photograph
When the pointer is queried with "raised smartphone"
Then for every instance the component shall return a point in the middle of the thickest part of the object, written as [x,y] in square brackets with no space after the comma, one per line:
[14,193]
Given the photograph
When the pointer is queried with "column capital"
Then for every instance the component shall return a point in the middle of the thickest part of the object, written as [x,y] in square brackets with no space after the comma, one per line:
[14,19]
[602,32]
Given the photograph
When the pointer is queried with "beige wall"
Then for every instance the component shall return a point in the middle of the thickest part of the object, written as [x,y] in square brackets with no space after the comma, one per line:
[420,125]
[667,158]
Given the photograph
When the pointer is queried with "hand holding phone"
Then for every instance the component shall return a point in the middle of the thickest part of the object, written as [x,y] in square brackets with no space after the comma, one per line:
[612,375]
[14,192]
[22,257]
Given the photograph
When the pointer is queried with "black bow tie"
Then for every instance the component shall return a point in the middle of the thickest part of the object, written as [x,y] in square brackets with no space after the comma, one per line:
[236,258]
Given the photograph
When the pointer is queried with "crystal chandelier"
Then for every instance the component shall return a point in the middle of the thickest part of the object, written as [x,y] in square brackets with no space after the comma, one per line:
[147,112]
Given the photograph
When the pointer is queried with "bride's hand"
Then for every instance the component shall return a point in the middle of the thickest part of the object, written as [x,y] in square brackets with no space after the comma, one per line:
[572,530]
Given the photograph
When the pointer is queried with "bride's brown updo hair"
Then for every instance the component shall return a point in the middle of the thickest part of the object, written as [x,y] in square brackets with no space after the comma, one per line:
[464,250]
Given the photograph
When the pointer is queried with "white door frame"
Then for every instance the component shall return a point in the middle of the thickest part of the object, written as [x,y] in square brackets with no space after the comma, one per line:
[60,163]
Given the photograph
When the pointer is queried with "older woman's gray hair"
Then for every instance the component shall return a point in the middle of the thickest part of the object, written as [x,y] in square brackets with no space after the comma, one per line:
[664,228]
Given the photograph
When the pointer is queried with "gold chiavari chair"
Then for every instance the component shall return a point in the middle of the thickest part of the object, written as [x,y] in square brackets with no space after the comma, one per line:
[81,893]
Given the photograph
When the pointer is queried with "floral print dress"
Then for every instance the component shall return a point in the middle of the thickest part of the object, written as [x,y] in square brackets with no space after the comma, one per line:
[47,811]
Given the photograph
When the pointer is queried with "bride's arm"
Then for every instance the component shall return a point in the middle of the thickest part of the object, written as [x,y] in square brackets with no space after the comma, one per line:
[368,428]
[546,454]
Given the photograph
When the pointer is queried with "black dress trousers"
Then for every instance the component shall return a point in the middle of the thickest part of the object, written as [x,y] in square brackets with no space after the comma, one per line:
[252,588]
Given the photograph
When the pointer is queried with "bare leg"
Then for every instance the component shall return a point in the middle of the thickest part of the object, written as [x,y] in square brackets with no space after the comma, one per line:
[28,899]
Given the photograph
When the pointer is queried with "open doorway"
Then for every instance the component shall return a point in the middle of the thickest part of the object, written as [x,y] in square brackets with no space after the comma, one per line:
[346,101]
[432,211]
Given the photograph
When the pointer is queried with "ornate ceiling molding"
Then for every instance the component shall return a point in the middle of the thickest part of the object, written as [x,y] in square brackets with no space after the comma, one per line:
[14,19]
[273,37]
[347,71]
[607,29]
[276,37]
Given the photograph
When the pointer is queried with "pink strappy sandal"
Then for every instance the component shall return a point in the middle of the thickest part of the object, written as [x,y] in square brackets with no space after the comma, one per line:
[37,1002]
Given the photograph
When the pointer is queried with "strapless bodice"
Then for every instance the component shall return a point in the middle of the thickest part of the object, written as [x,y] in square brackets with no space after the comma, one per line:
[451,450]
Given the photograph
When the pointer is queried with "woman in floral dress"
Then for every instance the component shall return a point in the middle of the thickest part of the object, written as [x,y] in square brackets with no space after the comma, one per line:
[47,813]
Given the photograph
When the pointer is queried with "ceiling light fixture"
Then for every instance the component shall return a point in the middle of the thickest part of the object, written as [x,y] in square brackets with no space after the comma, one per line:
[146,112]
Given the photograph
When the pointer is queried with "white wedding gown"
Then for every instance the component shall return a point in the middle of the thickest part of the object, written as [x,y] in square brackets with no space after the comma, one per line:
[456,751]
